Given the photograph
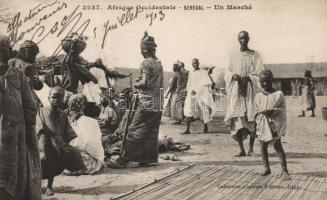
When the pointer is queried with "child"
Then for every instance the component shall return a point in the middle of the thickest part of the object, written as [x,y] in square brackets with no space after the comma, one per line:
[54,134]
[108,118]
[270,121]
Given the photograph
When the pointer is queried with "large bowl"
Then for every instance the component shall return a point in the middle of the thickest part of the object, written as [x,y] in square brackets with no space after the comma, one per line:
[77,45]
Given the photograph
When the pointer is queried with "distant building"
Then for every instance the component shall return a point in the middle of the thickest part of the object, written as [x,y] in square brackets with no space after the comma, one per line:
[289,77]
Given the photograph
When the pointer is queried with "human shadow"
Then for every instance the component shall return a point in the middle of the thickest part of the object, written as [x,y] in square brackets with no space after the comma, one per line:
[106,188]
[180,164]
[321,174]
[302,155]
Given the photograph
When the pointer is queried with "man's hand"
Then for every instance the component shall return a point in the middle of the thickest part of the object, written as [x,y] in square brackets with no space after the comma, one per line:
[267,112]
[245,79]
[42,156]
[213,86]
[236,77]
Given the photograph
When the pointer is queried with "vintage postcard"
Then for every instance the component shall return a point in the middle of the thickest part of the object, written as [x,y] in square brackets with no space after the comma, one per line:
[175,99]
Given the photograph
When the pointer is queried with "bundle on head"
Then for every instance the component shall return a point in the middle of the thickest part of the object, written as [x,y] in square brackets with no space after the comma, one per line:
[75,43]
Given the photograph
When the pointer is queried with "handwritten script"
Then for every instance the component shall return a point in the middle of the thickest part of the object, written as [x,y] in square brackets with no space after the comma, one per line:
[17,23]
[19,27]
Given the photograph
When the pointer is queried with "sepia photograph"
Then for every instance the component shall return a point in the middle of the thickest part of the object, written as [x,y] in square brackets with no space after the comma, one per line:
[163,100]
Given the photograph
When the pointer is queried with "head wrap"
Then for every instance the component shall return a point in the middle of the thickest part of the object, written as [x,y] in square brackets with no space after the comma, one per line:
[147,42]
[266,74]
[76,105]
[176,67]
[98,61]
[4,48]
[29,44]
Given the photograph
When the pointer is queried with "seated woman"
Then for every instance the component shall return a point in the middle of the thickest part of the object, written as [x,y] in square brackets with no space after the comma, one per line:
[54,134]
[88,139]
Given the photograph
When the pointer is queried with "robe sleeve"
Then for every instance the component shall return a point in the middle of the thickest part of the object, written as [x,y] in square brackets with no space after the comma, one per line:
[145,69]
[29,109]
[189,81]
[172,84]
[257,68]
[39,129]
[229,73]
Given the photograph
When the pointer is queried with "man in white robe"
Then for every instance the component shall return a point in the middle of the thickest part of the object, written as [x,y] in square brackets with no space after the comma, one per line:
[199,103]
[91,90]
[242,84]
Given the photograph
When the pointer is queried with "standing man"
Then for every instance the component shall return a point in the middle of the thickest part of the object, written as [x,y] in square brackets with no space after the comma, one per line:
[174,92]
[242,85]
[199,103]
[20,174]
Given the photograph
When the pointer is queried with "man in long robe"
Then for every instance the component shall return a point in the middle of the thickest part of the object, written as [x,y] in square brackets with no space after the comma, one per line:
[20,177]
[242,84]
[199,103]
[174,94]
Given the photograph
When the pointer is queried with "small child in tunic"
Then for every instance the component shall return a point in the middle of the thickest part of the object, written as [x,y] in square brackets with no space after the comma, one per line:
[54,134]
[270,121]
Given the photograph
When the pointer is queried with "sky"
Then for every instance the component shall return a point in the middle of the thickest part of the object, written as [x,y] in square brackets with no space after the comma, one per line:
[292,31]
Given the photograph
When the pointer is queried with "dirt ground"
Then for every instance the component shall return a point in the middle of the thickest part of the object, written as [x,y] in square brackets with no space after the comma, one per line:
[305,145]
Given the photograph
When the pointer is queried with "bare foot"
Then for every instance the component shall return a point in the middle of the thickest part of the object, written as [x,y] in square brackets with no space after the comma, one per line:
[285,176]
[250,153]
[241,154]
[49,192]
[266,172]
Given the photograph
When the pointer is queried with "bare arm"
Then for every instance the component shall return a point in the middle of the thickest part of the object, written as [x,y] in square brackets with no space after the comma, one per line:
[142,83]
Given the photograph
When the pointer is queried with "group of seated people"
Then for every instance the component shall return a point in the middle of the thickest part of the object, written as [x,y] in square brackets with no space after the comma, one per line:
[69,139]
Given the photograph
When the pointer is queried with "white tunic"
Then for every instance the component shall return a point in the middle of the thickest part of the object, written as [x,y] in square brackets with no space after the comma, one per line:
[201,105]
[240,110]
[91,90]
[88,137]
[273,127]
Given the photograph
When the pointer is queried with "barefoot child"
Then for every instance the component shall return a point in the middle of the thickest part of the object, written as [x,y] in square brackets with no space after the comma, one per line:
[270,121]
[54,134]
